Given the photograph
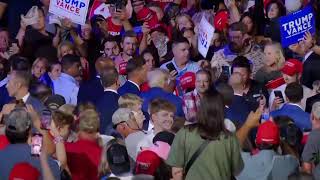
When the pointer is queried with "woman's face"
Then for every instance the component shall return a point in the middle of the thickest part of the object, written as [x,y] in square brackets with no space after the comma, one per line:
[248,22]
[86,31]
[270,55]
[39,69]
[66,50]
[149,61]
[273,11]
[55,72]
[183,22]
[189,35]
[41,22]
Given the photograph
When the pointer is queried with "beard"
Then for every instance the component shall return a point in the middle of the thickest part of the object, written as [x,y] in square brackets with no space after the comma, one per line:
[235,47]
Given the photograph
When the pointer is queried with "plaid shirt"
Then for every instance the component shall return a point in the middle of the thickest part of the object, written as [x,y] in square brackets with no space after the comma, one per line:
[191,102]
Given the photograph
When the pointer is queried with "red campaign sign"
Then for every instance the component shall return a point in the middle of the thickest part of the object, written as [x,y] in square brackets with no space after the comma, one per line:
[122,68]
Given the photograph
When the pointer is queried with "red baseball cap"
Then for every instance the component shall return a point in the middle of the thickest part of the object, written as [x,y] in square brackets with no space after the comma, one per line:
[292,67]
[220,20]
[24,171]
[162,149]
[268,132]
[147,162]
[188,80]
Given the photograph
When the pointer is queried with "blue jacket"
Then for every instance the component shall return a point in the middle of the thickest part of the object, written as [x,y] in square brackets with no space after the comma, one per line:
[157,92]
[300,117]
[106,106]
[90,91]
[4,96]
[128,87]
[238,111]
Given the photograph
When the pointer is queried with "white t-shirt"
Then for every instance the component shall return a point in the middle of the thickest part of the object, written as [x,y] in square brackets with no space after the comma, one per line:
[136,141]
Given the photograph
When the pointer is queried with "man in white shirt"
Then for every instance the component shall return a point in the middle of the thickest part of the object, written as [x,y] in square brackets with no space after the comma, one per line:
[125,123]
[291,72]
[66,85]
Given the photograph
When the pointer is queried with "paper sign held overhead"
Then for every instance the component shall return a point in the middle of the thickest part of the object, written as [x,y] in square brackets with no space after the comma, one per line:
[294,26]
[75,10]
[205,36]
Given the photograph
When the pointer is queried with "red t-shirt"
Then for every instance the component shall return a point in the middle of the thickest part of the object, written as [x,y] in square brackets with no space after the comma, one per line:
[113,29]
[83,159]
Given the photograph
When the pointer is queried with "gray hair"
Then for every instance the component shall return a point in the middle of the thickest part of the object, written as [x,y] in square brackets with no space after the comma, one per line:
[18,120]
[316,110]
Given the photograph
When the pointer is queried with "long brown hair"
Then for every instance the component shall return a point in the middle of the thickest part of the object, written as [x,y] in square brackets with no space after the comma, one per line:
[210,116]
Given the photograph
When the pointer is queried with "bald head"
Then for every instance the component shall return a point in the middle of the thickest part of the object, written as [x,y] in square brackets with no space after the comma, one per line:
[237,82]
[103,63]
[158,78]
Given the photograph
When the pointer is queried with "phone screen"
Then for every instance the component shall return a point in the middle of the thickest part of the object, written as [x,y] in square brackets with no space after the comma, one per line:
[36,144]
[171,67]
[45,119]
[279,95]
[226,71]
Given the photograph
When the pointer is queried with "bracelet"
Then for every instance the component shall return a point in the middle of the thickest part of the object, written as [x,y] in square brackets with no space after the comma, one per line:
[58,139]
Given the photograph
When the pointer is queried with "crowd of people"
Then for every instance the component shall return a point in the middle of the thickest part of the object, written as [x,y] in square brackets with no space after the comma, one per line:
[128,95]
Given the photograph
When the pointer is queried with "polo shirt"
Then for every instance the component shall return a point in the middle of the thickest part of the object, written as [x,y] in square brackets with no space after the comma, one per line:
[83,159]
[136,141]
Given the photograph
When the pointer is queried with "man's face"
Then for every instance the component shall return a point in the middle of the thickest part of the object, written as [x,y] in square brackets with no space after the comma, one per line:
[129,45]
[111,49]
[243,72]
[4,41]
[181,52]
[55,72]
[163,120]
[290,79]
[12,85]
[76,69]
[202,83]
[235,41]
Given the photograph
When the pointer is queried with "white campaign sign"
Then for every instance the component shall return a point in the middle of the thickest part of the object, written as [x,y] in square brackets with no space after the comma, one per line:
[75,10]
[206,31]
[103,10]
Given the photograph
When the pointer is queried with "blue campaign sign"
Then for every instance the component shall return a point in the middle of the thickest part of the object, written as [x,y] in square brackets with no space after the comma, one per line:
[294,26]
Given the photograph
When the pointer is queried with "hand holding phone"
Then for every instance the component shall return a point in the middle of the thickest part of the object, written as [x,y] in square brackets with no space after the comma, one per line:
[171,67]
[45,119]
[36,144]
[279,95]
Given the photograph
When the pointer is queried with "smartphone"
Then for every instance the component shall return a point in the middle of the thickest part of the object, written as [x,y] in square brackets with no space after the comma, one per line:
[279,95]
[45,119]
[170,67]
[36,144]
[226,71]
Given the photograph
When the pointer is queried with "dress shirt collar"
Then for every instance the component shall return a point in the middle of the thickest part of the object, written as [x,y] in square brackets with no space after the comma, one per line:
[135,84]
[25,98]
[110,90]
[307,56]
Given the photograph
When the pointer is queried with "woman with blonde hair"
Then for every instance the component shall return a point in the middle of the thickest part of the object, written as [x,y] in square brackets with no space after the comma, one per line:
[273,63]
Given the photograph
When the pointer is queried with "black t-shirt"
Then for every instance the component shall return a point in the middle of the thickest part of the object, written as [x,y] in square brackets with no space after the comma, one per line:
[36,45]
[13,11]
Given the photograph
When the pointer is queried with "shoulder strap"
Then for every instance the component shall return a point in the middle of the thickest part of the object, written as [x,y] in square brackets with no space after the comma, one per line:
[195,156]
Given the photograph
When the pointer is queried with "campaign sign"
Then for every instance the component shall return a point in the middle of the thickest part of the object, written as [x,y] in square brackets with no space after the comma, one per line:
[294,26]
[205,35]
[75,10]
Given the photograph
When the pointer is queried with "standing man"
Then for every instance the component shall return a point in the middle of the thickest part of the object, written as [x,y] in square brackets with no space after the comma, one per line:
[66,85]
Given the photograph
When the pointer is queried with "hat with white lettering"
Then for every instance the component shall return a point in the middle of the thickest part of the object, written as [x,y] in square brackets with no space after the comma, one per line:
[292,5]
[292,67]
